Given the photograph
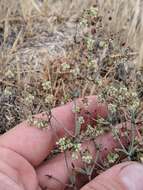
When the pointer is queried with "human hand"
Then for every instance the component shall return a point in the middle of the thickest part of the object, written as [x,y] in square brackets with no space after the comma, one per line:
[23,150]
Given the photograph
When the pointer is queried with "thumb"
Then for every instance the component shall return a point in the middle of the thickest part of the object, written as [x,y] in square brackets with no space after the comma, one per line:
[127,176]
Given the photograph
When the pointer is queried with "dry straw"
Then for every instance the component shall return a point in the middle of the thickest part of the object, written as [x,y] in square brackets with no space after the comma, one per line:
[127,15]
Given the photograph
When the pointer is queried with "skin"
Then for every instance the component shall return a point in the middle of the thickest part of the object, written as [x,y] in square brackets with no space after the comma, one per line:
[24,148]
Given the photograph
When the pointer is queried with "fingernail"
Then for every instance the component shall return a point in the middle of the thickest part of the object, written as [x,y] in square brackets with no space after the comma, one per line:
[132,177]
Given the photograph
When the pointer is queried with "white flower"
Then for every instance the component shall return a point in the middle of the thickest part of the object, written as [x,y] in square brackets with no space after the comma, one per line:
[49,98]
[65,66]
[7,91]
[112,91]
[29,99]
[77,147]
[81,120]
[75,109]
[112,108]
[93,11]
[112,157]
[123,90]
[135,104]
[100,98]
[64,144]
[9,74]
[83,22]
[46,85]
[76,71]
[87,157]
[89,43]
[74,155]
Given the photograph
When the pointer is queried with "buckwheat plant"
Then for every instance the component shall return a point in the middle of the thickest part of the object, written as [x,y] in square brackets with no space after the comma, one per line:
[29,99]
[46,85]
[112,157]
[69,144]
[38,123]
[87,157]
[49,98]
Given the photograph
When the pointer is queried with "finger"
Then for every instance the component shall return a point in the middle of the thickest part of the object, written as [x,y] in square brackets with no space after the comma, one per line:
[57,167]
[17,170]
[127,176]
[35,144]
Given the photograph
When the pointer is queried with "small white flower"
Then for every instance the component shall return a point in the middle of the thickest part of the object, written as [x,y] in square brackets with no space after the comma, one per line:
[81,120]
[74,155]
[120,98]
[9,74]
[46,85]
[123,90]
[89,43]
[7,91]
[75,109]
[77,147]
[87,157]
[100,98]
[65,66]
[49,98]
[112,108]
[112,91]
[76,71]
[83,22]
[93,11]
[135,104]
[102,44]
[134,94]
[64,144]
[90,131]
[112,157]
[29,99]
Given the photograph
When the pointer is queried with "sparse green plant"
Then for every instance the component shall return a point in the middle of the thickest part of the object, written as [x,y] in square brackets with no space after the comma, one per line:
[112,157]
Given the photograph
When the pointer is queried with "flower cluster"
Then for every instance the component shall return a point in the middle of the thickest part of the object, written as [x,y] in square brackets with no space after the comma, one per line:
[65,66]
[88,15]
[87,157]
[80,120]
[95,131]
[8,91]
[46,85]
[38,123]
[112,157]
[66,143]
[29,99]
[49,98]
[119,96]
[89,41]
[9,74]
[76,109]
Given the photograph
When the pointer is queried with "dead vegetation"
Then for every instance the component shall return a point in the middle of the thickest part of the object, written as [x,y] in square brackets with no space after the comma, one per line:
[53,52]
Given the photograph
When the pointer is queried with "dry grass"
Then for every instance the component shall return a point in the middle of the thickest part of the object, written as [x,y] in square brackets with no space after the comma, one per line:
[38,35]
[47,59]
[127,16]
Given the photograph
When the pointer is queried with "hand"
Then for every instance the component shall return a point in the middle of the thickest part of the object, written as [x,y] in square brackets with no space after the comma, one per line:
[23,150]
